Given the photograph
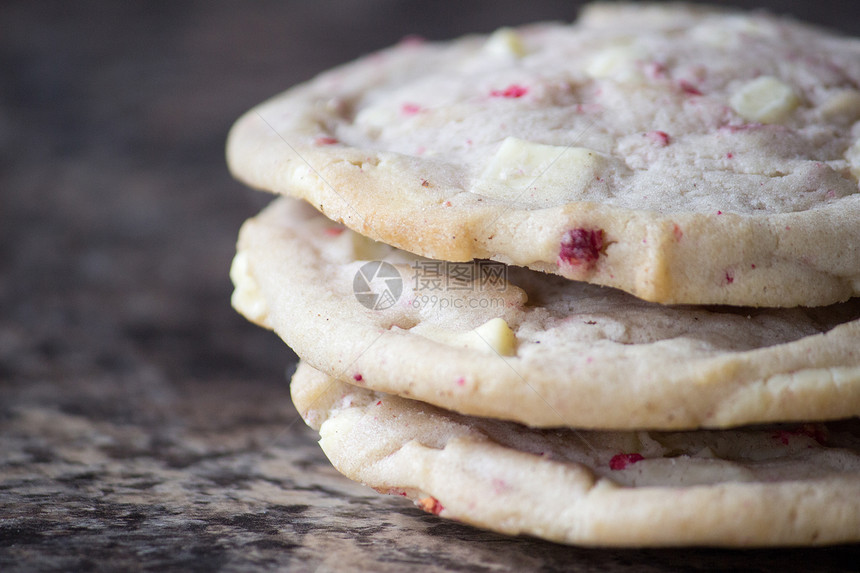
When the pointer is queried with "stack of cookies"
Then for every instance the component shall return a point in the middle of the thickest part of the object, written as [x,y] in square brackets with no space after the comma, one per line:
[587,282]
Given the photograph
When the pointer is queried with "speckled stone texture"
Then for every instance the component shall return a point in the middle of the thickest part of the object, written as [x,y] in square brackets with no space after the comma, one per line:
[144,425]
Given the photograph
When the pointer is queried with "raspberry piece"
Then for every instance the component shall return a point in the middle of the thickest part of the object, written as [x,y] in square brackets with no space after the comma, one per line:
[512,90]
[658,138]
[581,247]
[621,461]
[430,505]
[815,431]
[689,88]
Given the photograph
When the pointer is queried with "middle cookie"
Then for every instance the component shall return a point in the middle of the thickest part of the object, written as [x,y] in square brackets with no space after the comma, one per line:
[505,342]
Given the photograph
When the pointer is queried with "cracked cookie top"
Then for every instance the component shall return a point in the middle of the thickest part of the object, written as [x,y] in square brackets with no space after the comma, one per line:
[683,154]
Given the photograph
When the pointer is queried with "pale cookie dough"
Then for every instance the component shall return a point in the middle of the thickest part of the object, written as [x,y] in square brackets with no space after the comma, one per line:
[536,348]
[682,154]
[755,486]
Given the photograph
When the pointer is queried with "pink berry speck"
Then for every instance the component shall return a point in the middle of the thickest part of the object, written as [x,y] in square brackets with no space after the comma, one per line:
[512,91]
[621,461]
[658,138]
[581,247]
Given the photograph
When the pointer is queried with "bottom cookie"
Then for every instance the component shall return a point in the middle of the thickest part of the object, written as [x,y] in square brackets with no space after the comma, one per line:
[791,484]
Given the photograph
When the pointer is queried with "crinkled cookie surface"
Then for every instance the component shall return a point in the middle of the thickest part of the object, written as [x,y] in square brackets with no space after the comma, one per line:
[682,154]
[510,343]
[752,486]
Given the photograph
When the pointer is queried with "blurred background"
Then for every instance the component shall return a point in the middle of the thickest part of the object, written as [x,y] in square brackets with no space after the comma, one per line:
[117,225]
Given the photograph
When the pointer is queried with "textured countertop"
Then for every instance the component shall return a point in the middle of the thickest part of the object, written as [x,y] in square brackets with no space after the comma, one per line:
[143,424]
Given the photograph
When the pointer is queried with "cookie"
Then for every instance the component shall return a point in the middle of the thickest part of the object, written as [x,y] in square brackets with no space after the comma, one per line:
[753,486]
[506,342]
[682,154]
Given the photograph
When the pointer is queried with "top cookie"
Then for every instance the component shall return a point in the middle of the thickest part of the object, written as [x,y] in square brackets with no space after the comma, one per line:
[685,155]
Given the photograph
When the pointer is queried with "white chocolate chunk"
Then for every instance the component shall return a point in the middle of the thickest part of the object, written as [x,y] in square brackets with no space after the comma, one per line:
[246,297]
[621,15]
[765,99]
[334,427]
[853,157]
[726,31]
[493,336]
[375,117]
[713,35]
[842,106]
[618,63]
[554,173]
[498,335]
[505,42]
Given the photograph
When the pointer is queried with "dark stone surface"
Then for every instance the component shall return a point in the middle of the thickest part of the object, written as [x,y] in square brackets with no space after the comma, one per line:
[143,424]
